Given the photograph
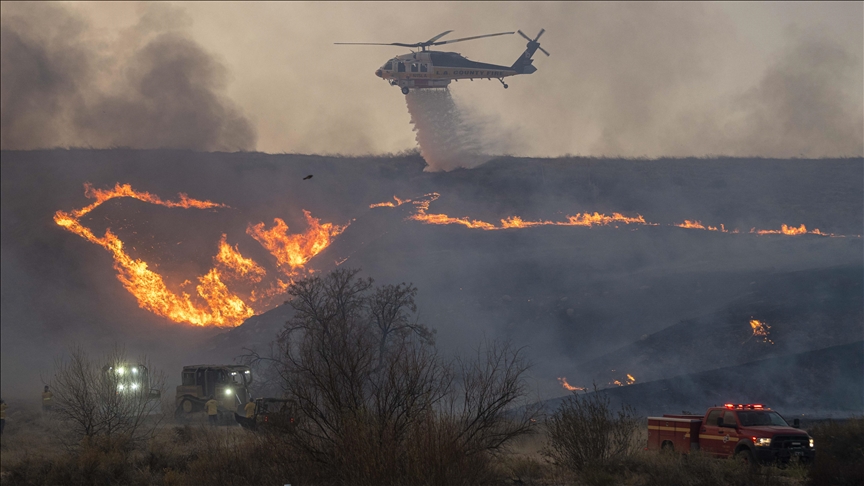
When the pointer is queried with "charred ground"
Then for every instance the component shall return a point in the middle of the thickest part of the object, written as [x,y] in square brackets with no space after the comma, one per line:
[652,301]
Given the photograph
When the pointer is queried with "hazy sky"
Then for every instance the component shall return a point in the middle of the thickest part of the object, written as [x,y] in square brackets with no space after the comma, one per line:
[634,79]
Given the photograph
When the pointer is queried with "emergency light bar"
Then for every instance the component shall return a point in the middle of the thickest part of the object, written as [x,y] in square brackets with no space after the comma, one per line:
[749,406]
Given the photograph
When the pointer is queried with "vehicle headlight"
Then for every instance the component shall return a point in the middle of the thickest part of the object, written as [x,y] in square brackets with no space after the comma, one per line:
[228,392]
[762,441]
[121,386]
[121,370]
[135,370]
[812,445]
[134,386]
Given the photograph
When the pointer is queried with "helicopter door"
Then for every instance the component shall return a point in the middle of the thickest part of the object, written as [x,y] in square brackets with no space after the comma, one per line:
[400,67]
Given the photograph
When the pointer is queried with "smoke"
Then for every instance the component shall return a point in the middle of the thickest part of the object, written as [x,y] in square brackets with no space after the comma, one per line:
[807,104]
[150,87]
[450,136]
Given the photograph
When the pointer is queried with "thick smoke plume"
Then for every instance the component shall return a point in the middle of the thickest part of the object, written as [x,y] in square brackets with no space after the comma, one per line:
[152,87]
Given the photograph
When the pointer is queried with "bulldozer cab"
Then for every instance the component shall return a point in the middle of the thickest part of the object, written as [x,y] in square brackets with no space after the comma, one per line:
[227,384]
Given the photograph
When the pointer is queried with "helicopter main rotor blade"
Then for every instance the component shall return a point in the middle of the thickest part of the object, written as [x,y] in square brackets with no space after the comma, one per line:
[523,35]
[470,38]
[442,34]
[375,44]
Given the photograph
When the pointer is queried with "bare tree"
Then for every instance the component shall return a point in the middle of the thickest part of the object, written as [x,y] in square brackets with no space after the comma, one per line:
[372,392]
[108,401]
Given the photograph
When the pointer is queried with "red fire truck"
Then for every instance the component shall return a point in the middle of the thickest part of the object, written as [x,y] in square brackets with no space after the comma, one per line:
[751,432]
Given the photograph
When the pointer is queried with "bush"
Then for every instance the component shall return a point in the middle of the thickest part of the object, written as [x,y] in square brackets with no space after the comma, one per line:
[585,433]
[839,452]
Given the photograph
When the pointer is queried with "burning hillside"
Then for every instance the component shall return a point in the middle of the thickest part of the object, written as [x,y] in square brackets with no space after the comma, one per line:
[216,304]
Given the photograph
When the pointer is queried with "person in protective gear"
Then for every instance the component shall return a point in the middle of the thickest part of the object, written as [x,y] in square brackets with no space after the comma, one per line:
[212,407]
[250,408]
[47,400]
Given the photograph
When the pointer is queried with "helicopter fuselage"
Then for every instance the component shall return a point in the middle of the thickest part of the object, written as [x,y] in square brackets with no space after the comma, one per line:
[434,69]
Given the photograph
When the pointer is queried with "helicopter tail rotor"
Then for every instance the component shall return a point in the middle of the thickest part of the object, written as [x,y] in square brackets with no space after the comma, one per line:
[524,65]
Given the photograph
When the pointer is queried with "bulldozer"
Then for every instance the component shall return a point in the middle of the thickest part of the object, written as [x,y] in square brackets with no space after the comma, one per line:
[228,384]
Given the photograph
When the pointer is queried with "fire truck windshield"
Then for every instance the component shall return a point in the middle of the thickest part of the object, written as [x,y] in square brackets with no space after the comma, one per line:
[749,418]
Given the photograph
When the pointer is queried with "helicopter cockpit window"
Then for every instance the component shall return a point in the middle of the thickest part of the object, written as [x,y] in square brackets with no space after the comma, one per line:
[423,68]
[414,67]
[401,67]
[388,66]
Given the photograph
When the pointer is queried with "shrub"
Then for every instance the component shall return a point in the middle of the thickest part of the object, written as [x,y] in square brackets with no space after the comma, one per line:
[585,433]
[839,452]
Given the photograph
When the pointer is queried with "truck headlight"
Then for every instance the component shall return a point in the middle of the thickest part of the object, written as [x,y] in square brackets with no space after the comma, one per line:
[762,441]
[228,392]
[134,386]
[121,386]
[812,445]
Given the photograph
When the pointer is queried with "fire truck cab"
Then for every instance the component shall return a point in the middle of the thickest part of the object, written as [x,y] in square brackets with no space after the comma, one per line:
[750,432]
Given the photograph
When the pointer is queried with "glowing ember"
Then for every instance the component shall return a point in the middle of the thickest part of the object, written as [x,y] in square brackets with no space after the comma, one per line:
[629,380]
[760,330]
[294,251]
[215,304]
[568,386]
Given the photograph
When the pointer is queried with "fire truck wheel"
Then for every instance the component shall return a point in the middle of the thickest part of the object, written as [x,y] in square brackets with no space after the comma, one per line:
[745,456]
[667,447]
[405,91]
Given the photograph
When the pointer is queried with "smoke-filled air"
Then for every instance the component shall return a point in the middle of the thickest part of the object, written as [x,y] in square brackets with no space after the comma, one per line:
[432,243]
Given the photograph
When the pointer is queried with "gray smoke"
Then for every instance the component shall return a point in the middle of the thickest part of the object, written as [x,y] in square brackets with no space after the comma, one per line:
[153,87]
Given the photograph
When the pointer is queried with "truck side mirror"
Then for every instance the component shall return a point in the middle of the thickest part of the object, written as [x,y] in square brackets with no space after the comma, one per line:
[796,423]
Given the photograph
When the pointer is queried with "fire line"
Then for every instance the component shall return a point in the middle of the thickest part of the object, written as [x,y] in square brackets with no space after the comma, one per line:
[215,304]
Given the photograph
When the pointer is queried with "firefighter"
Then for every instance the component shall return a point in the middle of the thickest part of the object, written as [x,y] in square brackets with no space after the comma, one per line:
[47,400]
[212,407]
[2,415]
[250,408]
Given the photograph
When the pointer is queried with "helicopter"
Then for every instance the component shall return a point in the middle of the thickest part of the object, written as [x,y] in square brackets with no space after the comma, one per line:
[435,69]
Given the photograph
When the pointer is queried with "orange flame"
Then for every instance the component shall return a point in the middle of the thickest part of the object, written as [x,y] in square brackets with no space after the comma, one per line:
[216,304]
[568,386]
[125,190]
[237,264]
[629,380]
[388,204]
[789,231]
[148,287]
[294,251]
[760,330]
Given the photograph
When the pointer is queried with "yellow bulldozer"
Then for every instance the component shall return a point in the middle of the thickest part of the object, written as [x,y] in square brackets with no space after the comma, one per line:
[228,384]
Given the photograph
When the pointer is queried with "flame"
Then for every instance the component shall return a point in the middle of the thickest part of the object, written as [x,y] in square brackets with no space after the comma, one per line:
[292,252]
[215,304]
[568,386]
[629,380]
[580,219]
[150,290]
[388,204]
[125,190]
[760,330]
[790,231]
[238,266]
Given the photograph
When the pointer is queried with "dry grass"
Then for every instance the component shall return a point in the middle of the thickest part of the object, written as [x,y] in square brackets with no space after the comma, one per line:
[195,454]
